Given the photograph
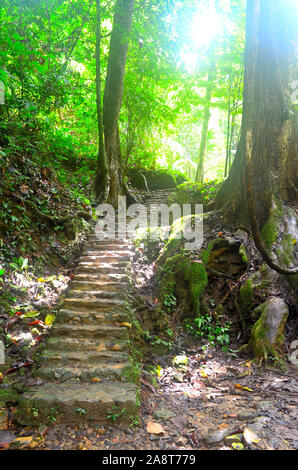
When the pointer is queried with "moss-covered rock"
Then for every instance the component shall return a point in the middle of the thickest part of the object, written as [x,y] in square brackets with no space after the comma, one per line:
[267,334]
[176,240]
[246,294]
[182,281]
[195,193]
[270,230]
[144,179]
[8,396]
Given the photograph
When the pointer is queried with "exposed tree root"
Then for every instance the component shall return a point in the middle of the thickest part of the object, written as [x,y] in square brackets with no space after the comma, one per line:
[56,220]
[251,211]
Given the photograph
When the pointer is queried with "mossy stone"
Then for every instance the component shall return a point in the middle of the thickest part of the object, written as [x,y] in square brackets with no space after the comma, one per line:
[8,395]
[267,335]
[270,231]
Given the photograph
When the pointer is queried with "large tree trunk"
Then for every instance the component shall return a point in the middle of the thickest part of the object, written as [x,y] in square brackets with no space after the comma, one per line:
[113,95]
[268,115]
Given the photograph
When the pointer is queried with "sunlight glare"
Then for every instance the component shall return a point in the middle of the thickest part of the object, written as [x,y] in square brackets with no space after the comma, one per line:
[205,26]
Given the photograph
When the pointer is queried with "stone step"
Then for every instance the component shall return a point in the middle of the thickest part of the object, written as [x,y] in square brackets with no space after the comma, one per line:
[83,402]
[116,242]
[99,253]
[100,269]
[90,304]
[106,249]
[119,287]
[108,246]
[98,294]
[79,316]
[99,331]
[82,358]
[86,344]
[126,239]
[93,237]
[61,373]
[103,277]
[99,259]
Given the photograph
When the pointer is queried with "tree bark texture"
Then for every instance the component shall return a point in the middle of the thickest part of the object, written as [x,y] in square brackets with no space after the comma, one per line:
[268,113]
[113,95]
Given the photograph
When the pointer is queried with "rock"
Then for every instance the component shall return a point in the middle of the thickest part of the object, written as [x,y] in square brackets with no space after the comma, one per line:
[267,334]
[260,421]
[246,414]
[6,437]
[29,442]
[250,437]
[274,443]
[179,377]
[265,405]
[163,414]
[180,422]
[295,444]
[180,360]
[213,437]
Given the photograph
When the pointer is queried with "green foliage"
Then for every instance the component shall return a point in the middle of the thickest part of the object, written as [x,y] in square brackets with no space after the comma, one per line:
[196,193]
[49,79]
[204,327]
[19,264]
[115,413]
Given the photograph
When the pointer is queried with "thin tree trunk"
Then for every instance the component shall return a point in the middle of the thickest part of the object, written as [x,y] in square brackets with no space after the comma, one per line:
[102,175]
[113,95]
[204,134]
[21,56]
[228,132]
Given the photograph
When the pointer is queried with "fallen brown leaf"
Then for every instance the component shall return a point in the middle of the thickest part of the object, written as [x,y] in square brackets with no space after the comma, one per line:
[154,428]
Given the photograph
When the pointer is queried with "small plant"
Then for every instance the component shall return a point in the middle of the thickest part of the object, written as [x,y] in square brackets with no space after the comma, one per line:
[53,413]
[157,340]
[169,301]
[35,412]
[134,421]
[115,413]
[19,264]
[204,327]
[81,411]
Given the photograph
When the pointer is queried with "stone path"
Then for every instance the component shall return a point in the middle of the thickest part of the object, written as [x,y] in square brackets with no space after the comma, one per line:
[85,363]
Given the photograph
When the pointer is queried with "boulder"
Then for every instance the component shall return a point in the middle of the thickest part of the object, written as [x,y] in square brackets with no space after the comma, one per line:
[267,335]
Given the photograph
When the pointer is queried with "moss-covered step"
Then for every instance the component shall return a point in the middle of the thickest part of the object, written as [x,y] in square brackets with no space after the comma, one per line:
[74,402]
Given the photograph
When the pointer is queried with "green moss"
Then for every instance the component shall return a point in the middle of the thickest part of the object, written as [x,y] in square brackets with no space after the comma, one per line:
[287,251]
[246,294]
[176,240]
[181,269]
[243,254]
[196,276]
[264,269]
[267,341]
[205,253]
[195,193]
[8,395]
[269,232]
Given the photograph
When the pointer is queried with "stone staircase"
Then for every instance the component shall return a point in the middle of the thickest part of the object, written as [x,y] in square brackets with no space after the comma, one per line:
[84,367]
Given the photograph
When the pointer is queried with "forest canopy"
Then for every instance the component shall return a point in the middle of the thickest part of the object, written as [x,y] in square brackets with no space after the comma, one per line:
[48,68]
